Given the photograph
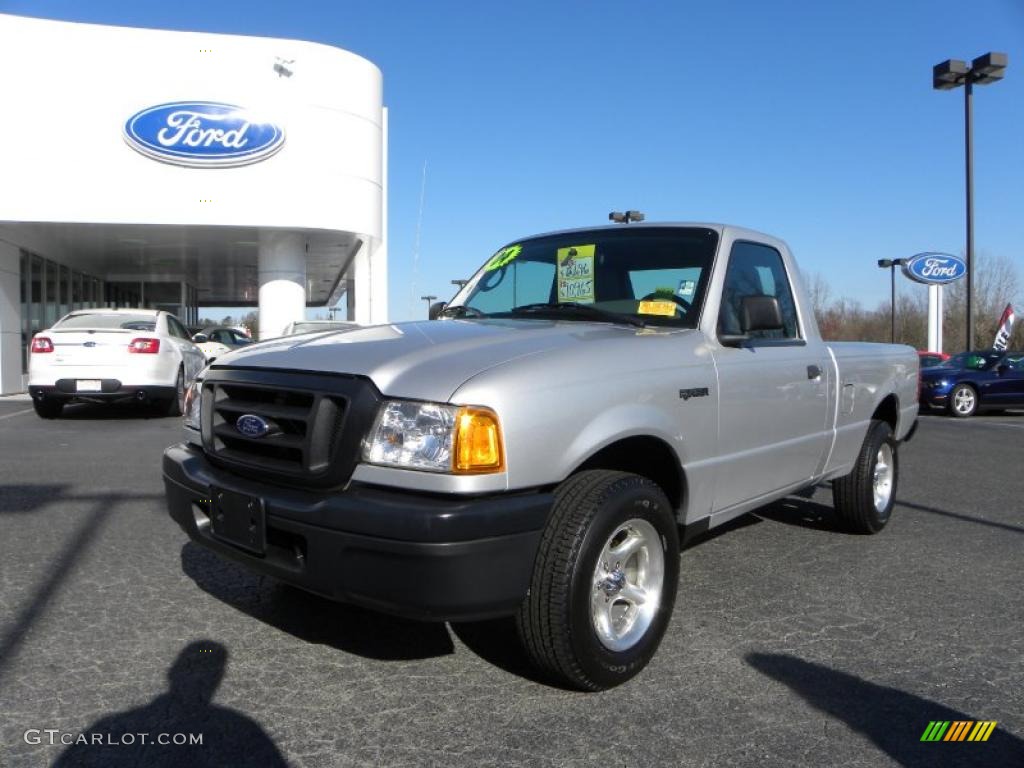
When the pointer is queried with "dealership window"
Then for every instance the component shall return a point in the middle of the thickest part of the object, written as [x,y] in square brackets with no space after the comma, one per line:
[48,292]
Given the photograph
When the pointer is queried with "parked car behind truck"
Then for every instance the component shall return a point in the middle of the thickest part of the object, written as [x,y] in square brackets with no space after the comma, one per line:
[973,381]
[110,355]
[536,452]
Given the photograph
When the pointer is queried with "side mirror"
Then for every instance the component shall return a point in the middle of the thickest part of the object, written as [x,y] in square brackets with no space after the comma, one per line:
[757,313]
[200,338]
[761,313]
[436,309]
[1002,369]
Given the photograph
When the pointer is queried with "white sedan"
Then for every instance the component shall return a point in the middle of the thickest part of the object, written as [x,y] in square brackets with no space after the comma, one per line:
[113,354]
[218,340]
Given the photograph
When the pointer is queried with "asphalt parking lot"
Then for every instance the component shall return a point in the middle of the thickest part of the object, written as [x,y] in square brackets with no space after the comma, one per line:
[791,643]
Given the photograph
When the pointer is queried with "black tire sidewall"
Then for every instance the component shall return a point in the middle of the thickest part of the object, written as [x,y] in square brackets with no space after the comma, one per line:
[174,406]
[952,401]
[881,434]
[624,501]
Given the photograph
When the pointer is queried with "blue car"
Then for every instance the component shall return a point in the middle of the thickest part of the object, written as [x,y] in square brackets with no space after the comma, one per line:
[974,380]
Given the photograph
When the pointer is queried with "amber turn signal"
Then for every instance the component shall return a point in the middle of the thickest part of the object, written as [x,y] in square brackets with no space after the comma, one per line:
[478,446]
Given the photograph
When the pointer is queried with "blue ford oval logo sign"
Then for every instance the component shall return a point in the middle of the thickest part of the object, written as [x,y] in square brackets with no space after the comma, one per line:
[252,426]
[935,268]
[202,134]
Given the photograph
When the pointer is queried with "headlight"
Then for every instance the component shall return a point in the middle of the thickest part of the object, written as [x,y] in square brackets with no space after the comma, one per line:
[193,404]
[436,438]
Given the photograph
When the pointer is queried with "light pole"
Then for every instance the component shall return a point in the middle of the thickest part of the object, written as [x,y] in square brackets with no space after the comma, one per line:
[891,265]
[428,299]
[460,283]
[950,74]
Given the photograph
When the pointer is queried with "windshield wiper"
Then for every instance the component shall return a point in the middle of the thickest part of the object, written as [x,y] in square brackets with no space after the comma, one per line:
[461,310]
[589,310]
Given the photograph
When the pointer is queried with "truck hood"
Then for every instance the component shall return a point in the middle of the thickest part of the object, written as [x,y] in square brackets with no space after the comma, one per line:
[428,360]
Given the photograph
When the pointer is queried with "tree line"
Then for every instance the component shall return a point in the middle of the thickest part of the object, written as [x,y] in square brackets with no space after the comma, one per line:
[996,284]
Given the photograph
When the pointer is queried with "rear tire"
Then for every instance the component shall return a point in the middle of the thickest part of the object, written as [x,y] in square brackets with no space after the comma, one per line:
[963,401]
[604,581]
[864,498]
[48,407]
[176,405]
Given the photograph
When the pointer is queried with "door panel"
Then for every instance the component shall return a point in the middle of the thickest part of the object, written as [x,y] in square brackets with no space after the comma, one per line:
[773,421]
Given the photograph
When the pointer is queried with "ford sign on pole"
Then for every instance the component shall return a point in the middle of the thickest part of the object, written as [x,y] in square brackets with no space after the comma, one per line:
[202,134]
[935,268]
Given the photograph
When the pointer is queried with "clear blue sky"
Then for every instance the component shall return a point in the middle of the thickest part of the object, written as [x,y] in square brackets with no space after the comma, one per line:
[812,120]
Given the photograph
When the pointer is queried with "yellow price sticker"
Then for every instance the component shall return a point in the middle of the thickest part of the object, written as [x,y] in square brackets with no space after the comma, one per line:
[662,308]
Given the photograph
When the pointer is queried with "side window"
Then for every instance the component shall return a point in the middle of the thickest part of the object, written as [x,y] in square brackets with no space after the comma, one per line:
[175,328]
[756,270]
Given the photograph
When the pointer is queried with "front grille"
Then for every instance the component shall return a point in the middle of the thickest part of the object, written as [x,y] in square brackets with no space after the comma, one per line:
[316,424]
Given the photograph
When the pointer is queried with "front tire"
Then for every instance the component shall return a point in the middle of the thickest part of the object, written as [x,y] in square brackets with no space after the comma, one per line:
[864,498]
[604,581]
[48,407]
[963,401]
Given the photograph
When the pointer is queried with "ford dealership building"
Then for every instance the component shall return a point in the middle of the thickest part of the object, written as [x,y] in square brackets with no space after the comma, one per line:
[177,170]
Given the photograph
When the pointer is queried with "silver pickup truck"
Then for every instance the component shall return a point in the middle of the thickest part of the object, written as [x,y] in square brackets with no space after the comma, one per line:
[539,448]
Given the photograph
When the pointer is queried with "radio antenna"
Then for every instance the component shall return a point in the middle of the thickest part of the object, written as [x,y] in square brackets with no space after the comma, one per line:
[416,242]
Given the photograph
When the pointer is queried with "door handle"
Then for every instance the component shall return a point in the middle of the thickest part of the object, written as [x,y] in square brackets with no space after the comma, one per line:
[813,372]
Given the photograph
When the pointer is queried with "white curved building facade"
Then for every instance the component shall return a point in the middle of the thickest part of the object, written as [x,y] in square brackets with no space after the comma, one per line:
[179,170]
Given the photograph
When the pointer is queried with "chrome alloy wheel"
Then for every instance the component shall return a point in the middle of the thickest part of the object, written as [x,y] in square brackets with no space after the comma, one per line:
[628,583]
[963,400]
[883,477]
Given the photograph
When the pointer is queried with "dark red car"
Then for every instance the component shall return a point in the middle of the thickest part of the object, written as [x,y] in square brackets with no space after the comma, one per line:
[931,359]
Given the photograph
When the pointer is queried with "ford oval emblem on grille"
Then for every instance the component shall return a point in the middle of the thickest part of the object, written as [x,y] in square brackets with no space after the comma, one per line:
[89,344]
[251,425]
[202,134]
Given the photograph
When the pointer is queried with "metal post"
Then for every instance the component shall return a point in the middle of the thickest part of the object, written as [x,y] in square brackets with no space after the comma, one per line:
[892,278]
[968,136]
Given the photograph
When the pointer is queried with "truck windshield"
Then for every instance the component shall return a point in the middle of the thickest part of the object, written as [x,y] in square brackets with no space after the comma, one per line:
[654,275]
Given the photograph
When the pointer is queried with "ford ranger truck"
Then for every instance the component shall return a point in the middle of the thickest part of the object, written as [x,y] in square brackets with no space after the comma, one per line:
[538,449]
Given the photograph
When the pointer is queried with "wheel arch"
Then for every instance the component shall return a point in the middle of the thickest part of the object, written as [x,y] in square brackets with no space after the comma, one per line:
[888,411]
[643,455]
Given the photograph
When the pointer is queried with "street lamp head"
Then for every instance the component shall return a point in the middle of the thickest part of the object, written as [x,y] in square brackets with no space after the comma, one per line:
[988,68]
[949,74]
[885,263]
[624,218]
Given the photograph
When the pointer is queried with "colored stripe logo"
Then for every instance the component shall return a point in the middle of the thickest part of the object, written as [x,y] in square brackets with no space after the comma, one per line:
[958,730]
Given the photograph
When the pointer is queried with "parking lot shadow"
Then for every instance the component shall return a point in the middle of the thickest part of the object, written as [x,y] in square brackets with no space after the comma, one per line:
[30,497]
[109,412]
[311,618]
[892,719]
[806,513]
[179,717]
[91,523]
[803,513]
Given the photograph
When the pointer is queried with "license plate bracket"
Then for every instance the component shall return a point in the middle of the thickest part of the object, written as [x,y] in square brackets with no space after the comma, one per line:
[239,519]
[89,385]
